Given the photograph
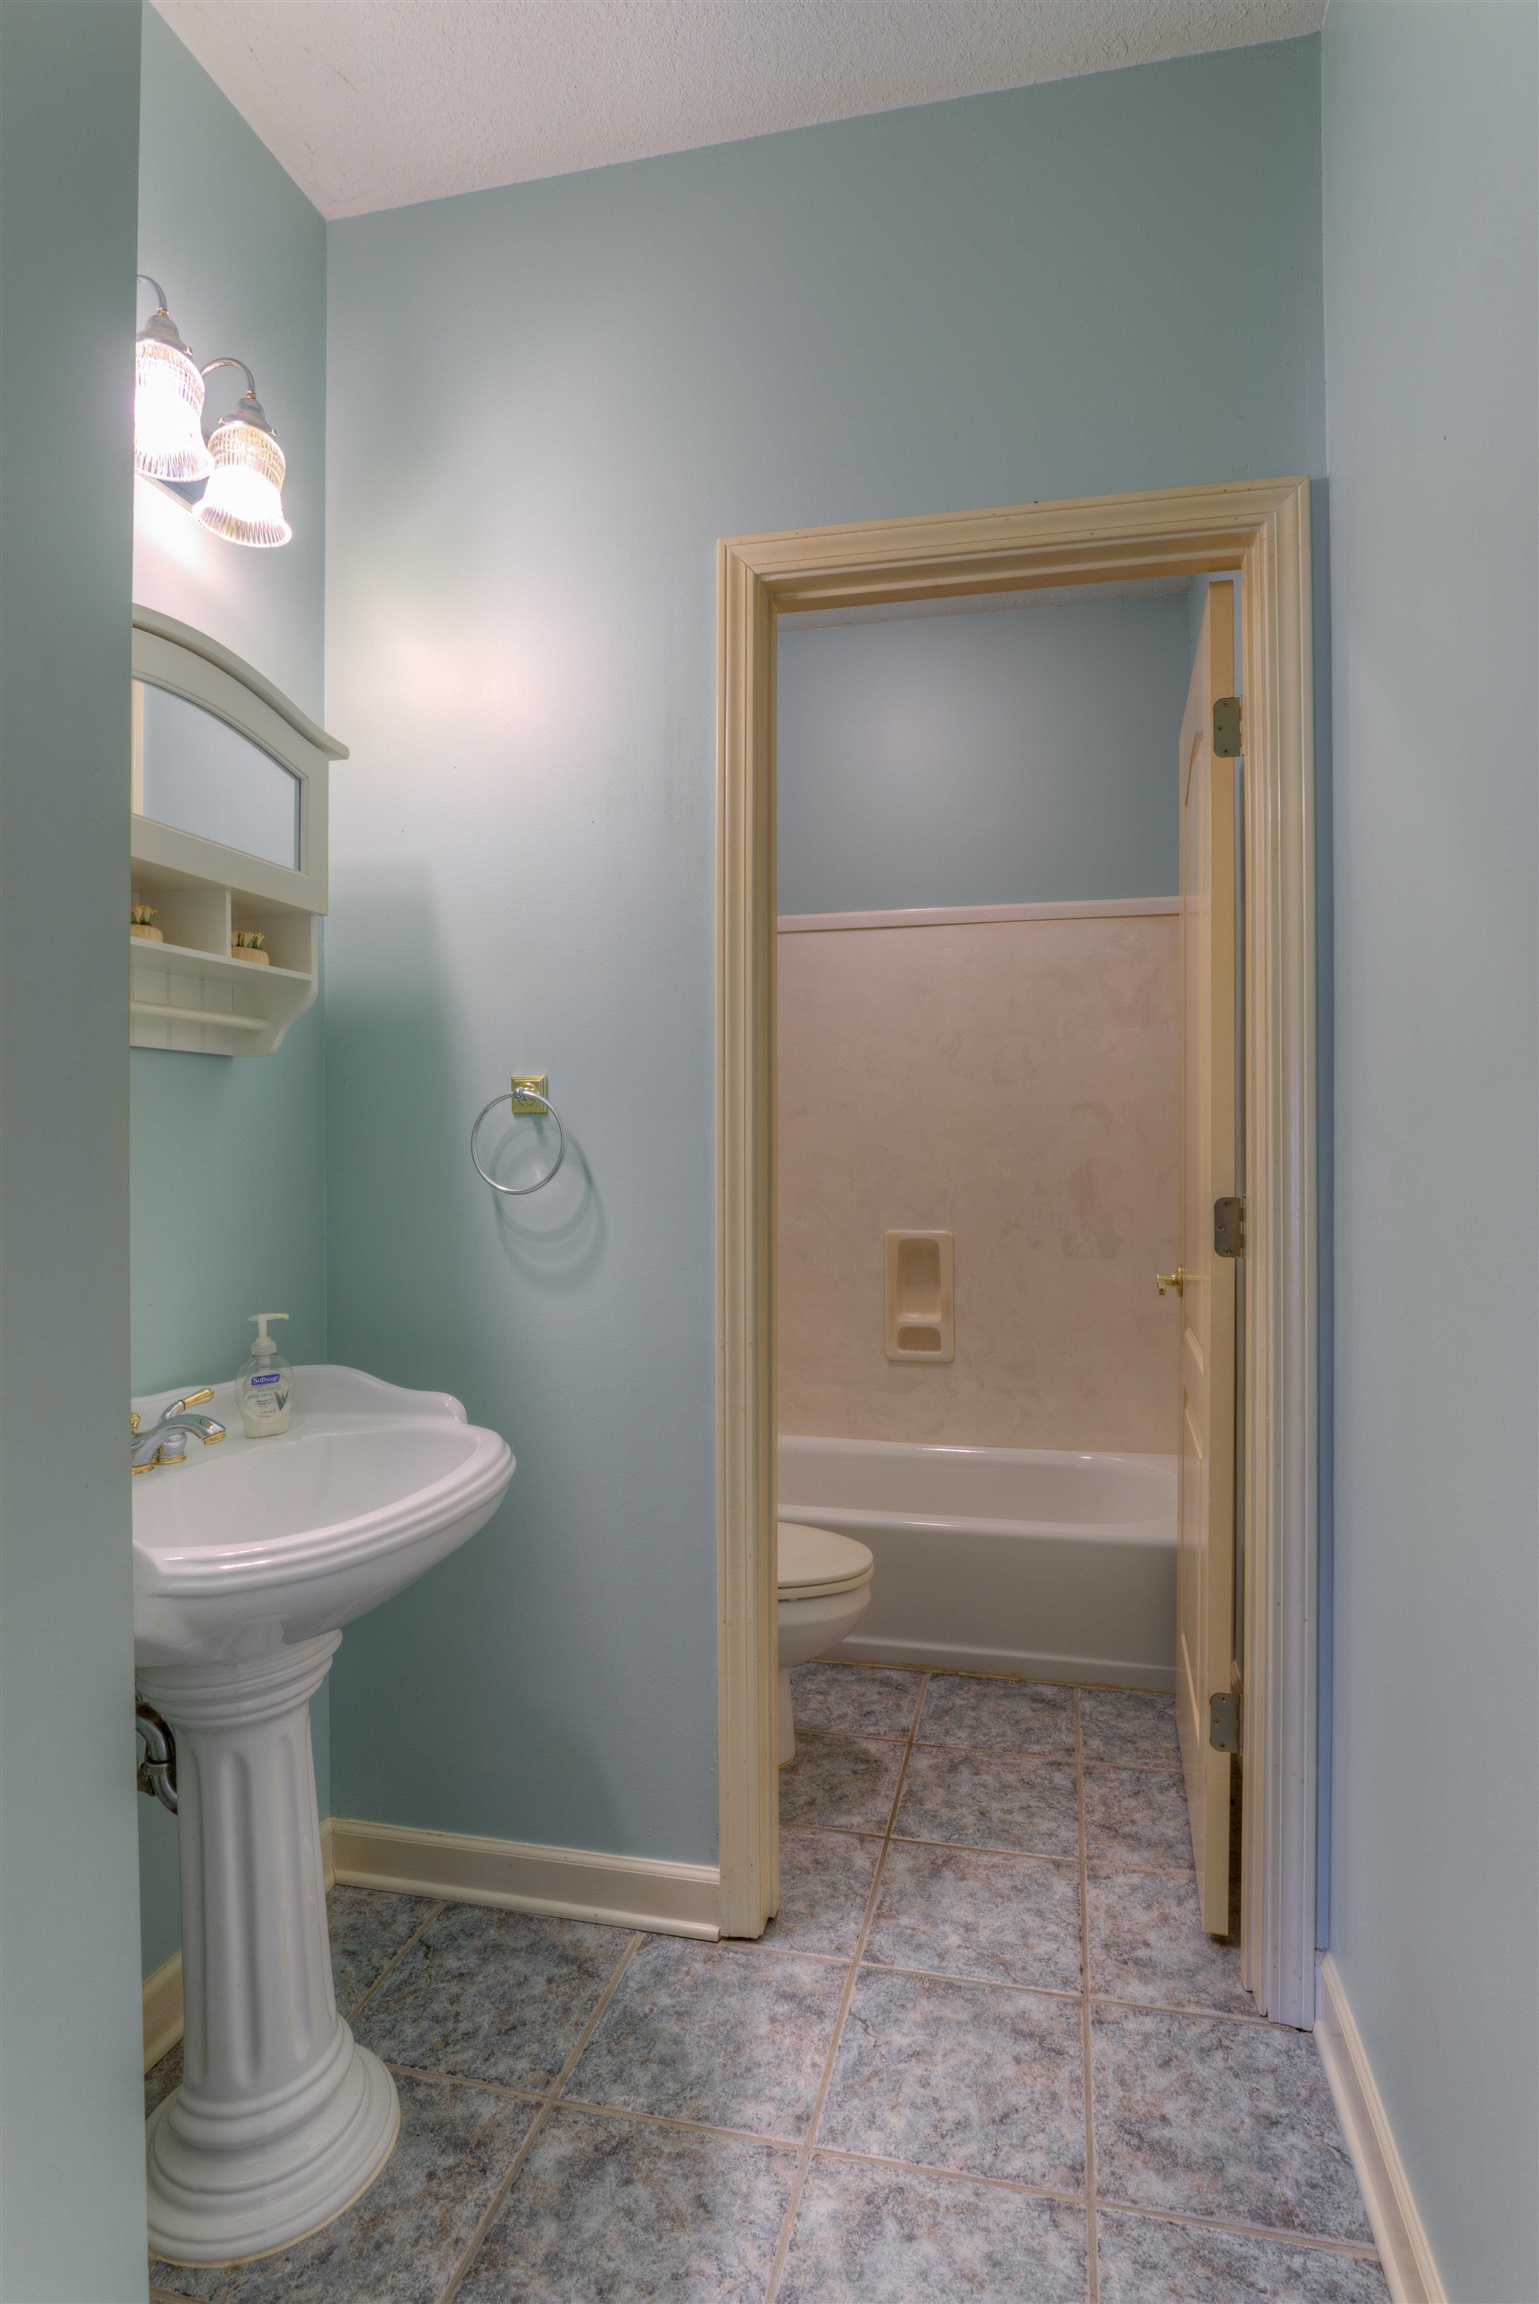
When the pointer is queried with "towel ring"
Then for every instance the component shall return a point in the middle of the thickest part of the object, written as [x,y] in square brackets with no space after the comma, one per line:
[522,1094]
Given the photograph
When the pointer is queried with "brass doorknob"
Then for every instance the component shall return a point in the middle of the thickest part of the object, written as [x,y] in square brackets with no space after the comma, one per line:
[1176,1280]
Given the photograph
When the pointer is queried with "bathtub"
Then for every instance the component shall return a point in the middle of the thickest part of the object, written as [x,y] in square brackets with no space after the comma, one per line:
[1028,1560]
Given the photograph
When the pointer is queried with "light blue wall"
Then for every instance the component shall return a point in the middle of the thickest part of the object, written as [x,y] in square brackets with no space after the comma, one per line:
[1430,265]
[547,403]
[228,1155]
[228,1206]
[70,2106]
[1012,756]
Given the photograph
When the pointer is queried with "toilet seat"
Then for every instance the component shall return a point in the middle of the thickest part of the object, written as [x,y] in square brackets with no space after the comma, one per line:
[815,1563]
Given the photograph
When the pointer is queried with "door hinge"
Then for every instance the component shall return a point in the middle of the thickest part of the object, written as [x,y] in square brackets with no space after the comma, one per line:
[1224,1723]
[1226,728]
[1228,1227]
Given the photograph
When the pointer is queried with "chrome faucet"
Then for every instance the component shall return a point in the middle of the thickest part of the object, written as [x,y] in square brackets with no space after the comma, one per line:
[167,1438]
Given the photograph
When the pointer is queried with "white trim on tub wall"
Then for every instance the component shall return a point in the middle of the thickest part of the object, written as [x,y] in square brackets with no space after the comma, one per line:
[980,915]
[1407,2256]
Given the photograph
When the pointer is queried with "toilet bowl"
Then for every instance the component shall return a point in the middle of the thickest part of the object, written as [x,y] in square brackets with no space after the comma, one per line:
[825,1588]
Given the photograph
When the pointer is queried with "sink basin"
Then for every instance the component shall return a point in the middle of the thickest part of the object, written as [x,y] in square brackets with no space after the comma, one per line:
[249,1558]
[251,1545]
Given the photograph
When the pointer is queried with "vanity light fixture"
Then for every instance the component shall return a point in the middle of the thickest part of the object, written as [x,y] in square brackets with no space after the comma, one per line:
[240,459]
[243,500]
[168,401]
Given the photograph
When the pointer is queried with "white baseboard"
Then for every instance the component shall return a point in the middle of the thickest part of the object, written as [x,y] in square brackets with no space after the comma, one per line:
[1407,2257]
[162,2010]
[571,1883]
[1013,1663]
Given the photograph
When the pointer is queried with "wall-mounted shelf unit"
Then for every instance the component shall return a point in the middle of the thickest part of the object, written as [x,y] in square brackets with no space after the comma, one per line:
[245,762]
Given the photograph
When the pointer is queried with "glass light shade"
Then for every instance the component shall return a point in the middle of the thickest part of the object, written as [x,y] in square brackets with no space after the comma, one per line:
[168,403]
[242,501]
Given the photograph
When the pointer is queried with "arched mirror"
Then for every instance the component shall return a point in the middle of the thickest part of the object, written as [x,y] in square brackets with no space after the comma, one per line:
[203,775]
[229,847]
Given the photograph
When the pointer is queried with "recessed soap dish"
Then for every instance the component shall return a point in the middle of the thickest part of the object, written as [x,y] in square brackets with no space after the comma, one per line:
[921,1323]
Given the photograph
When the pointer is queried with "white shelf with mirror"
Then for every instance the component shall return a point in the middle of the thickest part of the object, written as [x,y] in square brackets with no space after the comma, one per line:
[229,848]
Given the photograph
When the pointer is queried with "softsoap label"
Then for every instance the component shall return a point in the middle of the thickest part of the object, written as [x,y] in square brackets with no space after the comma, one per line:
[267,1399]
[266,1394]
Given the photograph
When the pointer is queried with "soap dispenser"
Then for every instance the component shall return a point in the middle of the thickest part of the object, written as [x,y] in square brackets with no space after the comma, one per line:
[266,1384]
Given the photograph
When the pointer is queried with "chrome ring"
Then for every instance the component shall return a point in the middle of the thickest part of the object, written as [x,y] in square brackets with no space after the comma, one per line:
[524,1096]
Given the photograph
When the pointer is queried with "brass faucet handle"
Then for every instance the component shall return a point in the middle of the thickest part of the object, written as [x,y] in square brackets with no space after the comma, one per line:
[196,1399]
[133,1419]
[1176,1280]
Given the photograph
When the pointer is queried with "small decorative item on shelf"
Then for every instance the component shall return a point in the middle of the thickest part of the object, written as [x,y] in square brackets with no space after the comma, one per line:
[141,923]
[246,944]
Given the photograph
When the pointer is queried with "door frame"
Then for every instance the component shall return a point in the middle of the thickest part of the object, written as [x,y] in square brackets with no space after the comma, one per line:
[1259,529]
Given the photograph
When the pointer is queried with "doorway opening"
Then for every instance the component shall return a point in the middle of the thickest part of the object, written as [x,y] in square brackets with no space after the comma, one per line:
[1260,532]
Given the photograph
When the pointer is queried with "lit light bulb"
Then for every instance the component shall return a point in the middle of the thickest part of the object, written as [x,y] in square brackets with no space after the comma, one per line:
[243,500]
[168,406]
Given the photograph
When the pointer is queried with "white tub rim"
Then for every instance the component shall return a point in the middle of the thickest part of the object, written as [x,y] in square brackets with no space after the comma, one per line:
[1142,1528]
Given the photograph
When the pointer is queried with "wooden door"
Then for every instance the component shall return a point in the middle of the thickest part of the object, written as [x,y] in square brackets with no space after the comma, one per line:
[1205,1576]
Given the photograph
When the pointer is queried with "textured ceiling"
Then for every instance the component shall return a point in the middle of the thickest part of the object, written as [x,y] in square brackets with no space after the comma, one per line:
[377,103]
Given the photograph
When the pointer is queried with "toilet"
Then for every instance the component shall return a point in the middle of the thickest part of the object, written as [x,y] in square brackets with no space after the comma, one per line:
[825,1589]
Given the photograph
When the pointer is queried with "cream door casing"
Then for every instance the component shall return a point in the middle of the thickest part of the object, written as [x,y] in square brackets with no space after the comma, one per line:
[1205,1563]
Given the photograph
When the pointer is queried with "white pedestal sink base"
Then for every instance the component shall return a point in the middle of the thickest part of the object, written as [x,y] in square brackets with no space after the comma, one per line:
[281,2119]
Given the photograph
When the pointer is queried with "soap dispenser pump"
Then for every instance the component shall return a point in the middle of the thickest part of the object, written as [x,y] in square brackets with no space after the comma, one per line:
[266,1384]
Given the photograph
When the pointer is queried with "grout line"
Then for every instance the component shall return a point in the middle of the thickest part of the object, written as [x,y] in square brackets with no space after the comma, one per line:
[743,1948]
[457,2276]
[1134,1767]
[819,2151]
[679,2120]
[1107,1868]
[1105,1865]
[1362,2251]
[909,1742]
[981,1848]
[818,1731]
[809,2146]
[1092,2250]
[1062,1753]
[833,1832]
[948,2175]
[394,1962]
[1180,2008]
[439,2079]
[973,1983]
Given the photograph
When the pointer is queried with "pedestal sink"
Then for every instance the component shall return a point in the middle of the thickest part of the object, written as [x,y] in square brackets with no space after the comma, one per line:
[248,1560]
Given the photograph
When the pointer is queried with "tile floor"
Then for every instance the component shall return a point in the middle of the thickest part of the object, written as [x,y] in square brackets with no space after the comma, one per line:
[904,2092]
